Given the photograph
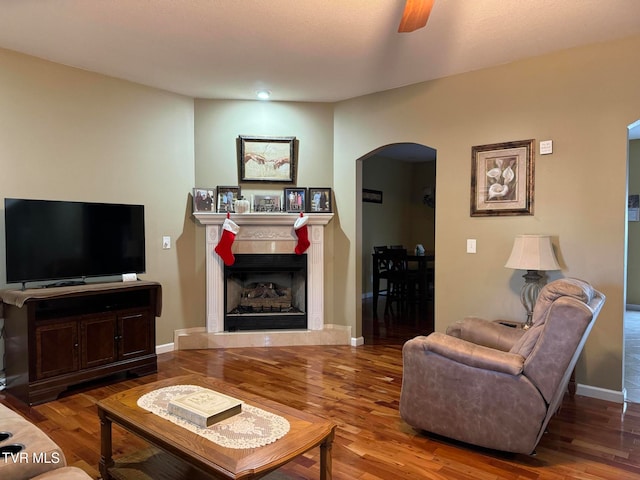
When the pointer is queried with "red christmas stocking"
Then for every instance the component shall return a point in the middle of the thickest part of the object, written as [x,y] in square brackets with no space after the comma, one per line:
[229,231]
[302,232]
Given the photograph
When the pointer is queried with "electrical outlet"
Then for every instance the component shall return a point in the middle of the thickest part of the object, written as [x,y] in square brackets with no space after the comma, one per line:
[166,242]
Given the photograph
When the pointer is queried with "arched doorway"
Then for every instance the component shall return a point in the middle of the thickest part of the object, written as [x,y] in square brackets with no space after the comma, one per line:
[398,210]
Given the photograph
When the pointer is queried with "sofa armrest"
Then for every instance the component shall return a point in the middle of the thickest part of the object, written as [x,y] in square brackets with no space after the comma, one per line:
[64,473]
[487,333]
[467,353]
[36,445]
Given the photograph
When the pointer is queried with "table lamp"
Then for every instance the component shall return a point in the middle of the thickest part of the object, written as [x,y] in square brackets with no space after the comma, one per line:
[533,253]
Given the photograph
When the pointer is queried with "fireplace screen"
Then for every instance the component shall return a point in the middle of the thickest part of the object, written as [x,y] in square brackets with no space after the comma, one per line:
[265,292]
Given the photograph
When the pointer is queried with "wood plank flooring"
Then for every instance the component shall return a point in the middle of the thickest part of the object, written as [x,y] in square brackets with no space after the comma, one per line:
[394,328]
[359,388]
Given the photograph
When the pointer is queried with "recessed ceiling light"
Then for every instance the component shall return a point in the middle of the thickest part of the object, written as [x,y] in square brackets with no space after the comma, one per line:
[263,94]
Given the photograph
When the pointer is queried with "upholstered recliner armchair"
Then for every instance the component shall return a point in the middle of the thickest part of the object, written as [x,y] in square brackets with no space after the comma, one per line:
[495,386]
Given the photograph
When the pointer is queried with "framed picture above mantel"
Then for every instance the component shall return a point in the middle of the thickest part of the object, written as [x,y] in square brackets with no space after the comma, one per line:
[266,159]
[502,177]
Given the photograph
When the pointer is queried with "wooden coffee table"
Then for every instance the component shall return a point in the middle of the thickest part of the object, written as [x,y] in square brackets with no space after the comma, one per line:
[306,432]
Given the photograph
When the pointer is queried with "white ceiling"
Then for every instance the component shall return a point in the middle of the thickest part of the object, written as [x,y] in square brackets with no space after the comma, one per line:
[301,50]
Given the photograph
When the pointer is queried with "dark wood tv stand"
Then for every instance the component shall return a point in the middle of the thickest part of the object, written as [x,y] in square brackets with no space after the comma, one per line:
[59,337]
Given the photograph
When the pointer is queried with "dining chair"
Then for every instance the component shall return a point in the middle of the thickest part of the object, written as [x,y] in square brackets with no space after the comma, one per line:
[397,281]
[380,272]
[418,291]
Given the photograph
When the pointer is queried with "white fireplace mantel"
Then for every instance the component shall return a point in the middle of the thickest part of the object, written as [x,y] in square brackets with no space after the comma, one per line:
[264,233]
[268,219]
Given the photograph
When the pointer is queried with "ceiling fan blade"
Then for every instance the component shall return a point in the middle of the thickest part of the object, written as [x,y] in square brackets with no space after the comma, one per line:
[415,16]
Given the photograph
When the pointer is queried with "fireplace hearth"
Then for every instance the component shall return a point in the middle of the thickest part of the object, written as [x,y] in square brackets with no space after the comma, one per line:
[265,292]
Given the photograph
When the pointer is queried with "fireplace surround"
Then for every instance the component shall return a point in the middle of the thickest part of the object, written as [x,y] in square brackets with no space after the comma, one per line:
[260,234]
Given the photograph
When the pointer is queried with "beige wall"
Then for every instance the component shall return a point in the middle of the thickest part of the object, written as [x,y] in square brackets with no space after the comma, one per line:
[583,100]
[421,218]
[633,259]
[68,134]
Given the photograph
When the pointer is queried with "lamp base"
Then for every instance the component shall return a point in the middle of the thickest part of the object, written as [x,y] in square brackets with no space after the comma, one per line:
[529,294]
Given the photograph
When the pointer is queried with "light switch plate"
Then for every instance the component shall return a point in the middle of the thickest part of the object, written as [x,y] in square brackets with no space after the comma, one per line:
[471,245]
[166,242]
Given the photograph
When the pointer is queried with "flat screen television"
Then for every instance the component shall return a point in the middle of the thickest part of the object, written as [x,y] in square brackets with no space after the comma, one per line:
[56,240]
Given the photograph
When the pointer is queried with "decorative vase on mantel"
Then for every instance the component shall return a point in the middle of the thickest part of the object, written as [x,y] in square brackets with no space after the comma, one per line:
[242,205]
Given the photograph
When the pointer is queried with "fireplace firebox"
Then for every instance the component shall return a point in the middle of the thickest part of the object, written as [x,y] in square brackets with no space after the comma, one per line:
[265,292]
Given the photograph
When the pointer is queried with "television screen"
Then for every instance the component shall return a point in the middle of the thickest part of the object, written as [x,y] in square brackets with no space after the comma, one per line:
[54,240]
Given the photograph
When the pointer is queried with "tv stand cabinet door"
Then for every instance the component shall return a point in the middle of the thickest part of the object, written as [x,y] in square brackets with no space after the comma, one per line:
[137,334]
[98,340]
[56,348]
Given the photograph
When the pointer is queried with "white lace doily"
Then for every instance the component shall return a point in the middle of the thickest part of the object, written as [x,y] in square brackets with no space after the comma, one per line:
[252,428]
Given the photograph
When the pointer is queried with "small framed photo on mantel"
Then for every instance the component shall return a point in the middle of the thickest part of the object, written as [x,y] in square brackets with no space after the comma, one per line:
[204,199]
[295,199]
[319,200]
[227,197]
[266,203]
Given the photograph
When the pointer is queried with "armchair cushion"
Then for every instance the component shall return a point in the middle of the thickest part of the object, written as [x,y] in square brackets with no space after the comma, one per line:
[473,355]
[564,287]
[567,287]
[487,333]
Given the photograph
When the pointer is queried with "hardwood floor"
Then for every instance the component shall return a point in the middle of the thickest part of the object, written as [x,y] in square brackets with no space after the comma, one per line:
[359,388]
[394,328]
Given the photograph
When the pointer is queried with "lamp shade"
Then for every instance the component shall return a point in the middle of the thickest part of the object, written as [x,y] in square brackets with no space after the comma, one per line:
[532,252]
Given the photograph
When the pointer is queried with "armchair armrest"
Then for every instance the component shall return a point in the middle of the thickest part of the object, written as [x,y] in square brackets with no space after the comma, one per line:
[483,332]
[468,353]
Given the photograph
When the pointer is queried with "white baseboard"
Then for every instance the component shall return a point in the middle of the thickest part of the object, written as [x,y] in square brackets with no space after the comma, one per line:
[166,348]
[600,393]
[357,341]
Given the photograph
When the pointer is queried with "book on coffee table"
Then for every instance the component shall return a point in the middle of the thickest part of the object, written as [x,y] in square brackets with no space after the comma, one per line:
[205,407]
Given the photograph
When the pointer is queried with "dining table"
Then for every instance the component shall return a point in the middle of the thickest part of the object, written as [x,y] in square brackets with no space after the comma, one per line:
[419,276]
